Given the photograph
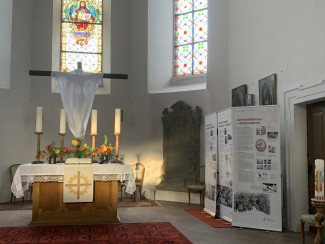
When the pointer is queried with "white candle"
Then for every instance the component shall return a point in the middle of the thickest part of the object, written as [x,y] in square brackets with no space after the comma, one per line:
[93,121]
[117,121]
[39,118]
[62,121]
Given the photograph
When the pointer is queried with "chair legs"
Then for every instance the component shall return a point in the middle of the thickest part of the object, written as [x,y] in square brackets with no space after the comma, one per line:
[189,196]
[302,228]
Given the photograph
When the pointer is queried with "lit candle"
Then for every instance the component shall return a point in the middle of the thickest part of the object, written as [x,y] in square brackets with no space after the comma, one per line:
[39,117]
[62,122]
[93,121]
[117,121]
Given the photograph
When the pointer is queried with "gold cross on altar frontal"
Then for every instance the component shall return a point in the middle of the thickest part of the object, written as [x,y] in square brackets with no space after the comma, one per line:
[79,185]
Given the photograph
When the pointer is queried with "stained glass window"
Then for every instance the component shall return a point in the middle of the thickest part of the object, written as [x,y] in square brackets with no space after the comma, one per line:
[81,35]
[191,37]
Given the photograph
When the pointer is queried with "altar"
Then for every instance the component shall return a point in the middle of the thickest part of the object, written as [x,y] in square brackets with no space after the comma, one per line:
[48,205]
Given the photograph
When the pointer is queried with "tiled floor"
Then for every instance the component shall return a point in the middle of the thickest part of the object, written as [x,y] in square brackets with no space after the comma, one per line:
[194,229]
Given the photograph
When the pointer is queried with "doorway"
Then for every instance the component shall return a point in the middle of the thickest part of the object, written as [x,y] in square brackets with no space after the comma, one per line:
[315,143]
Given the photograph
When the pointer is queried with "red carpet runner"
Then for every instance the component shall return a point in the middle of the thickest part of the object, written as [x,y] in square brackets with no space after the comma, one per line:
[208,219]
[156,233]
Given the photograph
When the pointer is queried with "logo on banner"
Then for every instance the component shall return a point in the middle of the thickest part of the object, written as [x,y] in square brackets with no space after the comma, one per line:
[78,185]
[260,145]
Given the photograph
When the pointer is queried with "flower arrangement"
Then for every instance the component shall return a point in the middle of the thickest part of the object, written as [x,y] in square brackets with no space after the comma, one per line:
[104,149]
[80,150]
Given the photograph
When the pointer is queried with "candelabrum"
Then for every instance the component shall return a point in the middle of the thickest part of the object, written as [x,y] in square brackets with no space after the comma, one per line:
[116,149]
[62,145]
[38,161]
[93,146]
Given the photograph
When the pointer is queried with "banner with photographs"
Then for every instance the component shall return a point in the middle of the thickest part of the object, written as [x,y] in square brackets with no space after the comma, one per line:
[225,156]
[257,168]
[211,167]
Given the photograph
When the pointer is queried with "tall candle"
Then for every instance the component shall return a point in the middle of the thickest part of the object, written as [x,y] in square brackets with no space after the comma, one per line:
[62,121]
[93,121]
[117,121]
[39,118]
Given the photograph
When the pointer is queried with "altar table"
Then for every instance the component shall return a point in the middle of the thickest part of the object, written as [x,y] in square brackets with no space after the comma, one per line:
[48,205]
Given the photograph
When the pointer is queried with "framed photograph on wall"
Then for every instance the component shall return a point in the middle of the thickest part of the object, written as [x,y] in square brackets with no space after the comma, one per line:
[238,97]
[267,90]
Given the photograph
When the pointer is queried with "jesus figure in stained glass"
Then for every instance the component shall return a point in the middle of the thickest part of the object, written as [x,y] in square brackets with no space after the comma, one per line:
[82,14]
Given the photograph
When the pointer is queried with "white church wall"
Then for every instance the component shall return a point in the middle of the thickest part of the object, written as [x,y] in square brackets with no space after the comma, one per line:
[16,119]
[282,37]
[5,43]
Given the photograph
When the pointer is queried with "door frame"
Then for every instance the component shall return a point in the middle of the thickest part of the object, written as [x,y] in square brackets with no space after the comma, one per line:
[294,166]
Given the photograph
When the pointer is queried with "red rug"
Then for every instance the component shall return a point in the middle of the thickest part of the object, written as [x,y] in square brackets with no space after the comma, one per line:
[208,219]
[156,233]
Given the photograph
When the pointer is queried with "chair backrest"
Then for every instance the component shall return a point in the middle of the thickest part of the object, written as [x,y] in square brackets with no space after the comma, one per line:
[138,172]
[12,170]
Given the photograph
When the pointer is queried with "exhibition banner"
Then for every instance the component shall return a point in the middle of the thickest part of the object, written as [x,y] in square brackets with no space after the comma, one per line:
[225,147]
[211,167]
[257,168]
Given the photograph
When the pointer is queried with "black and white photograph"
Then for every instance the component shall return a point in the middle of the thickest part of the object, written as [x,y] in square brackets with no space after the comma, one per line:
[261,131]
[259,161]
[229,137]
[210,191]
[265,167]
[267,161]
[272,149]
[244,202]
[269,187]
[272,134]
[267,90]
[226,196]
[239,96]
[250,100]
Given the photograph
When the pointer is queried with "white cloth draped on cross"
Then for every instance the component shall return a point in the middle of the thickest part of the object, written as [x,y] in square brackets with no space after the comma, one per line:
[77,89]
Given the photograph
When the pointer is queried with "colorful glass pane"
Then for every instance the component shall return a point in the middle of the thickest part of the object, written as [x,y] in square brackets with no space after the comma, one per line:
[200,58]
[183,6]
[200,26]
[90,62]
[200,4]
[81,34]
[183,29]
[183,60]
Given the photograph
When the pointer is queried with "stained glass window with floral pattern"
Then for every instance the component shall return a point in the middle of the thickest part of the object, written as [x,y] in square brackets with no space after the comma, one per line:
[191,37]
[81,35]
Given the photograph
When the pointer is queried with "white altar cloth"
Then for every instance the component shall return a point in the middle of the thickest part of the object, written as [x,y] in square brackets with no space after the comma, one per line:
[29,173]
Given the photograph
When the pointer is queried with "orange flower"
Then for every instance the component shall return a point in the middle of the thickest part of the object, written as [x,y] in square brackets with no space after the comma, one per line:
[42,156]
[62,155]
[87,154]
[94,154]
[48,148]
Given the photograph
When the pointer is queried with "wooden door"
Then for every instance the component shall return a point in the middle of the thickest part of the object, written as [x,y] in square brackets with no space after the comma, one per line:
[315,143]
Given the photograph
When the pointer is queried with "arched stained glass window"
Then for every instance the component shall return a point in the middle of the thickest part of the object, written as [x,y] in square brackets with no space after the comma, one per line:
[191,37]
[81,35]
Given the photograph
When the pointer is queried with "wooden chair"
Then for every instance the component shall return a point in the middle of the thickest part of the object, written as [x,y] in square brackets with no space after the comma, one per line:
[200,187]
[12,170]
[138,172]
[306,219]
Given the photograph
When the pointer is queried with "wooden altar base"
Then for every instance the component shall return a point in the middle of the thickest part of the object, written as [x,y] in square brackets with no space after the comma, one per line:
[48,206]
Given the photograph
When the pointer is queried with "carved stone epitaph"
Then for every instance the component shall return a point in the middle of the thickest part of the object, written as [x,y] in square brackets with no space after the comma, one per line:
[181,147]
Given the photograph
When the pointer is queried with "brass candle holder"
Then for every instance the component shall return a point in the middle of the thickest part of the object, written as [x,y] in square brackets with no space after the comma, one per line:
[62,146]
[116,148]
[38,161]
[93,145]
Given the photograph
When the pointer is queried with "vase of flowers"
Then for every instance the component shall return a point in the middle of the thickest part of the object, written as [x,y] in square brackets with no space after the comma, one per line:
[52,151]
[105,151]
[80,149]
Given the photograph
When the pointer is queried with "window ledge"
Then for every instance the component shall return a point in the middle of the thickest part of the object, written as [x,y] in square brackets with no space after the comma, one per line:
[188,80]
[184,83]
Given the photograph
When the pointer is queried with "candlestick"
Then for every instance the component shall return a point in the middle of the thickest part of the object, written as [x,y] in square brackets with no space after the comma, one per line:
[117,121]
[93,122]
[94,161]
[38,161]
[116,148]
[62,121]
[62,146]
[39,118]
